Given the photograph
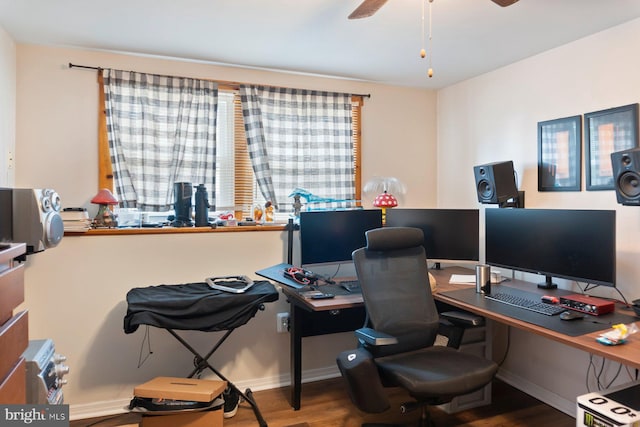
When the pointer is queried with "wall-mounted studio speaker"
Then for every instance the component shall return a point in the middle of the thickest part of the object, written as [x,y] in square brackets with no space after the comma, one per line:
[626,176]
[495,182]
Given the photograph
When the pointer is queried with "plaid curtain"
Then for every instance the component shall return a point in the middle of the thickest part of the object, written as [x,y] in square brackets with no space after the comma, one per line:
[161,130]
[300,139]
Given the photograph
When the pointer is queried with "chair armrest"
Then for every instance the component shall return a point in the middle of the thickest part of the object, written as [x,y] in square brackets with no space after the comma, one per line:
[454,323]
[463,318]
[373,337]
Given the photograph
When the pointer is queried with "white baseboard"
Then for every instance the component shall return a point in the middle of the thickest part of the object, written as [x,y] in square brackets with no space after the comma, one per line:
[120,406]
[542,394]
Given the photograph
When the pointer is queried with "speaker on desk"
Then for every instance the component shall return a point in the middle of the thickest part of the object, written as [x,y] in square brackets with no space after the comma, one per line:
[626,176]
[495,182]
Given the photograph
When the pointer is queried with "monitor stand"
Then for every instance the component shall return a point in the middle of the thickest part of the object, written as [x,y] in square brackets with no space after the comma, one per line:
[548,284]
[437,266]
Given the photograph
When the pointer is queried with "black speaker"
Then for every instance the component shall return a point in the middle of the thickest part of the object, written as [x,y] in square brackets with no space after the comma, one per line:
[183,191]
[626,176]
[495,182]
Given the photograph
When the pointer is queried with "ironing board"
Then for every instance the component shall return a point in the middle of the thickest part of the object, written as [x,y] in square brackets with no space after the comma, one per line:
[195,306]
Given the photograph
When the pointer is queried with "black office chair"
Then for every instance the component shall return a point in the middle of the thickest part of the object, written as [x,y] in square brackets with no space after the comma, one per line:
[397,346]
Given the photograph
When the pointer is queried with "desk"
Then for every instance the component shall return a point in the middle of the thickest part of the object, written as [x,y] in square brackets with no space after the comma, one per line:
[346,313]
[627,354]
[308,318]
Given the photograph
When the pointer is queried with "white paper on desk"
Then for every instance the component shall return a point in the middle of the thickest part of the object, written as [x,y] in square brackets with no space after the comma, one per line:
[466,279]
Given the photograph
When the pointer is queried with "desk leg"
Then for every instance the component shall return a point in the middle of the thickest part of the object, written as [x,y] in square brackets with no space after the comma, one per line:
[295,334]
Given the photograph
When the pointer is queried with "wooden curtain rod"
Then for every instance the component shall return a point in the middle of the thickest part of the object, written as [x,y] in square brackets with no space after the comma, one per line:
[87,67]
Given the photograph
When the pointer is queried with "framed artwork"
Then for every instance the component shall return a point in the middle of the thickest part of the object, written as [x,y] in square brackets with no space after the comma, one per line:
[606,132]
[559,143]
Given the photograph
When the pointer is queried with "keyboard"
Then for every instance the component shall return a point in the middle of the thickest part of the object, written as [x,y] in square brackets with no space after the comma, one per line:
[350,285]
[526,303]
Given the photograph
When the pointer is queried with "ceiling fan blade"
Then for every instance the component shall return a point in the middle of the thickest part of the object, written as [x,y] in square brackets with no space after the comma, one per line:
[367,8]
[504,3]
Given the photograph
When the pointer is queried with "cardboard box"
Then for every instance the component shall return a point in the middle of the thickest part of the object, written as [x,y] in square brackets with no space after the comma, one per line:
[180,389]
[188,419]
[189,389]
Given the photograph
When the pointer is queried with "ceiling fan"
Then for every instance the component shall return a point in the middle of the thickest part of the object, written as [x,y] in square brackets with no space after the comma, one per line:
[369,7]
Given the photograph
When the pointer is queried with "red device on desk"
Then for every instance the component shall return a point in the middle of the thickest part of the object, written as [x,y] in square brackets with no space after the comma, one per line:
[587,304]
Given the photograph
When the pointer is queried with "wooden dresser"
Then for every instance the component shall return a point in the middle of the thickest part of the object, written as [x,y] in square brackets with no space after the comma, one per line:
[14,333]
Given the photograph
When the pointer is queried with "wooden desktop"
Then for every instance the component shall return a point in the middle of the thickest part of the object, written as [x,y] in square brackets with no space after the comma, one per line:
[345,313]
[627,354]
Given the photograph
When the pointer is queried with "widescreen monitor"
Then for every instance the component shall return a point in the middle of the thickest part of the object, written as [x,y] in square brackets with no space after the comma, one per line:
[577,245]
[449,234]
[331,236]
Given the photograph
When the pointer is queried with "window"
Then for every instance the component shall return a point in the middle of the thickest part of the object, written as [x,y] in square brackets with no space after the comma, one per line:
[234,183]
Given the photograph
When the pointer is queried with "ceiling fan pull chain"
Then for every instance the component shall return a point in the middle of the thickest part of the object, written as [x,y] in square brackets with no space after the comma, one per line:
[430,73]
[423,52]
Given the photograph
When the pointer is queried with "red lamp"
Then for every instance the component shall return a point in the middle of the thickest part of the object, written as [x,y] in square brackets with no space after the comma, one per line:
[104,218]
[384,190]
[384,201]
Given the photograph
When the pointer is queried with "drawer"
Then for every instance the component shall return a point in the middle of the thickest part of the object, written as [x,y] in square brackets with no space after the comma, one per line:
[11,290]
[13,388]
[312,323]
[14,339]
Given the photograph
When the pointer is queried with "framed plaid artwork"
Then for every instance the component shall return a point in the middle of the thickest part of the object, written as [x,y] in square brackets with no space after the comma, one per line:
[607,131]
[559,143]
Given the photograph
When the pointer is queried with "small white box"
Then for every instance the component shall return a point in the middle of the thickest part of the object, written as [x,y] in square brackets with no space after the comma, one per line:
[129,217]
[618,406]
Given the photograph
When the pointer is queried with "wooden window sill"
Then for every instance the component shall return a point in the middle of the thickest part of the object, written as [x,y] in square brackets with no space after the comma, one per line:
[174,230]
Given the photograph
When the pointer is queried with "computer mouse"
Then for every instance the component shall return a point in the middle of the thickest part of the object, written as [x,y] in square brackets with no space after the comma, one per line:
[571,315]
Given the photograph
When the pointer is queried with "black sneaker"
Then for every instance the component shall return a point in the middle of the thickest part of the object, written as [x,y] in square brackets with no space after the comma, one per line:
[231,401]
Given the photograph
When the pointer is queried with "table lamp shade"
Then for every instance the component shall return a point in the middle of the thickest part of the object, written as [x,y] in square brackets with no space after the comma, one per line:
[385,200]
[104,197]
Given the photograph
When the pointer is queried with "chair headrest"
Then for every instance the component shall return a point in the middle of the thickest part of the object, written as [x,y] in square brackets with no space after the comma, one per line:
[393,238]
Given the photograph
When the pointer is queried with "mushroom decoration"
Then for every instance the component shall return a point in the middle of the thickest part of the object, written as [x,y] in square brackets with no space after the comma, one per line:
[386,190]
[384,201]
[104,218]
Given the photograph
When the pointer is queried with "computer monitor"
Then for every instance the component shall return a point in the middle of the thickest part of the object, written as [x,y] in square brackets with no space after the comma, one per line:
[449,234]
[331,236]
[577,245]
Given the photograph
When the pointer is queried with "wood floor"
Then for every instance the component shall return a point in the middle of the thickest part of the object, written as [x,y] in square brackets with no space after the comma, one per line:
[326,404]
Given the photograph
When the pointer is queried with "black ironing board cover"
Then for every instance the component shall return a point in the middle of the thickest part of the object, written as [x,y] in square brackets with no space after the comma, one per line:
[194,306]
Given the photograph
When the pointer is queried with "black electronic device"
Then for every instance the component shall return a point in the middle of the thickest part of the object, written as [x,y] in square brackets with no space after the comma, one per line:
[449,234]
[317,295]
[350,285]
[577,245]
[626,176]
[495,182]
[571,315]
[183,192]
[331,236]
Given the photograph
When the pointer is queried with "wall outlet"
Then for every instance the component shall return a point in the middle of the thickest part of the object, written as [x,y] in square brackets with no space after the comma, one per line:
[283,322]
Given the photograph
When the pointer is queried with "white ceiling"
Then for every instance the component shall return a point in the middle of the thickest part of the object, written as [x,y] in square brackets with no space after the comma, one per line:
[470,37]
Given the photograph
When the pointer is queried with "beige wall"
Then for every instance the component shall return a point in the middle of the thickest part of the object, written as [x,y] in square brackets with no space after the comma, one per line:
[7,106]
[493,118]
[76,291]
